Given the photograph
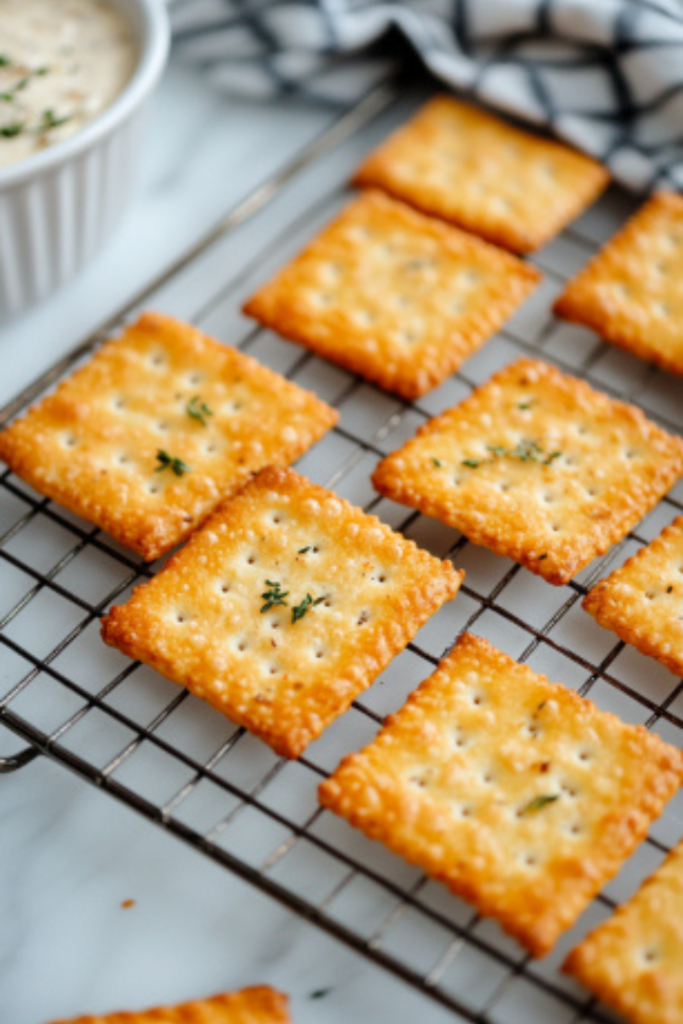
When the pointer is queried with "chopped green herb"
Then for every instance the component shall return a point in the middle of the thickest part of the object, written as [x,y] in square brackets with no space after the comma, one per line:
[299,610]
[4,61]
[526,451]
[50,120]
[198,410]
[302,551]
[171,462]
[524,405]
[41,71]
[438,463]
[320,993]
[273,596]
[8,131]
[539,802]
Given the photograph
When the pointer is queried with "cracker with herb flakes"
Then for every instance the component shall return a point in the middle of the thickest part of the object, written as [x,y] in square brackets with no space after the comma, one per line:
[642,602]
[633,962]
[258,1004]
[537,466]
[283,608]
[631,293]
[469,167]
[395,296]
[519,795]
[160,425]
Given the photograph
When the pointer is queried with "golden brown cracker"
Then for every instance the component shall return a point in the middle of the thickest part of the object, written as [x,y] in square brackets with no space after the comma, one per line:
[519,795]
[471,168]
[631,293]
[395,296]
[127,442]
[537,466]
[258,1004]
[642,602]
[221,618]
[633,962]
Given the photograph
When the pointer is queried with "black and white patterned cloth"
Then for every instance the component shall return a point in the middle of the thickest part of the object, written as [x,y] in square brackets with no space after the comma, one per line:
[605,75]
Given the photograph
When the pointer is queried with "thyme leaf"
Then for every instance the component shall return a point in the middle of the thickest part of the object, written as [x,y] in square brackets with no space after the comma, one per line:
[438,463]
[273,596]
[299,610]
[538,803]
[171,462]
[50,120]
[525,451]
[8,131]
[302,551]
[198,410]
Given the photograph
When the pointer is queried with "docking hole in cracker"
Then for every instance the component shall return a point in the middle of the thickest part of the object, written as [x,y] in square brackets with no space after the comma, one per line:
[395,296]
[631,293]
[282,608]
[258,1004]
[633,961]
[469,167]
[156,429]
[519,795]
[642,602]
[536,466]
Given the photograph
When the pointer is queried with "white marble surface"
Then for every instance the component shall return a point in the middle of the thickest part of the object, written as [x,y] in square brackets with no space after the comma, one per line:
[70,855]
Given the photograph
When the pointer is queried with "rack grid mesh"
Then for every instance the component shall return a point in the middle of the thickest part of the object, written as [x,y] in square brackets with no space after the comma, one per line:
[160,750]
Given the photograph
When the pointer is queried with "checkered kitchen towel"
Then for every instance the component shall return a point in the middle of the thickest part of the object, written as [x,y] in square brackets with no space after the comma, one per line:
[605,75]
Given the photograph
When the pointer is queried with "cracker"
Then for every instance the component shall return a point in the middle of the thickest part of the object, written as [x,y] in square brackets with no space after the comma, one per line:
[97,444]
[642,602]
[258,1004]
[631,293]
[633,961]
[395,296]
[519,795]
[537,466]
[469,167]
[207,620]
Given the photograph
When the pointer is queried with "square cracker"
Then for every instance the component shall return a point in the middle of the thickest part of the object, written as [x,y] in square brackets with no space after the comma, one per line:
[93,446]
[258,1004]
[519,795]
[631,293]
[642,602]
[395,296]
[465,165]
[206,620]
[633,962]
[537,466]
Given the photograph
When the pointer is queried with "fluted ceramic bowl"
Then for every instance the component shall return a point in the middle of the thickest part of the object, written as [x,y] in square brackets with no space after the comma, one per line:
[58,207]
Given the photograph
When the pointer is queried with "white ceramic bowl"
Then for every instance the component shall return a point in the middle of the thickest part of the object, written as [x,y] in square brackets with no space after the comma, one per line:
[58,206]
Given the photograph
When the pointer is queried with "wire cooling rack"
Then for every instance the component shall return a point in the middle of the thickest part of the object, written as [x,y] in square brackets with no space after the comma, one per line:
[184,766]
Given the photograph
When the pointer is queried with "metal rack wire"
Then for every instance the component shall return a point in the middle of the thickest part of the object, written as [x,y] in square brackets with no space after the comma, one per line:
[163,752]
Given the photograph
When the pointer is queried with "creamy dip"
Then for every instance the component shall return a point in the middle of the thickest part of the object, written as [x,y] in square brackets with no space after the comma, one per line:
[61,63]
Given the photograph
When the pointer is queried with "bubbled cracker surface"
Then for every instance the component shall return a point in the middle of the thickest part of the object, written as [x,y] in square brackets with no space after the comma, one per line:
[471,168]
[551,512]
[258,1004]
[450,782]
[199,621]
[633,961]
[631,293]
[395,296]
[643,600]
[92,446]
